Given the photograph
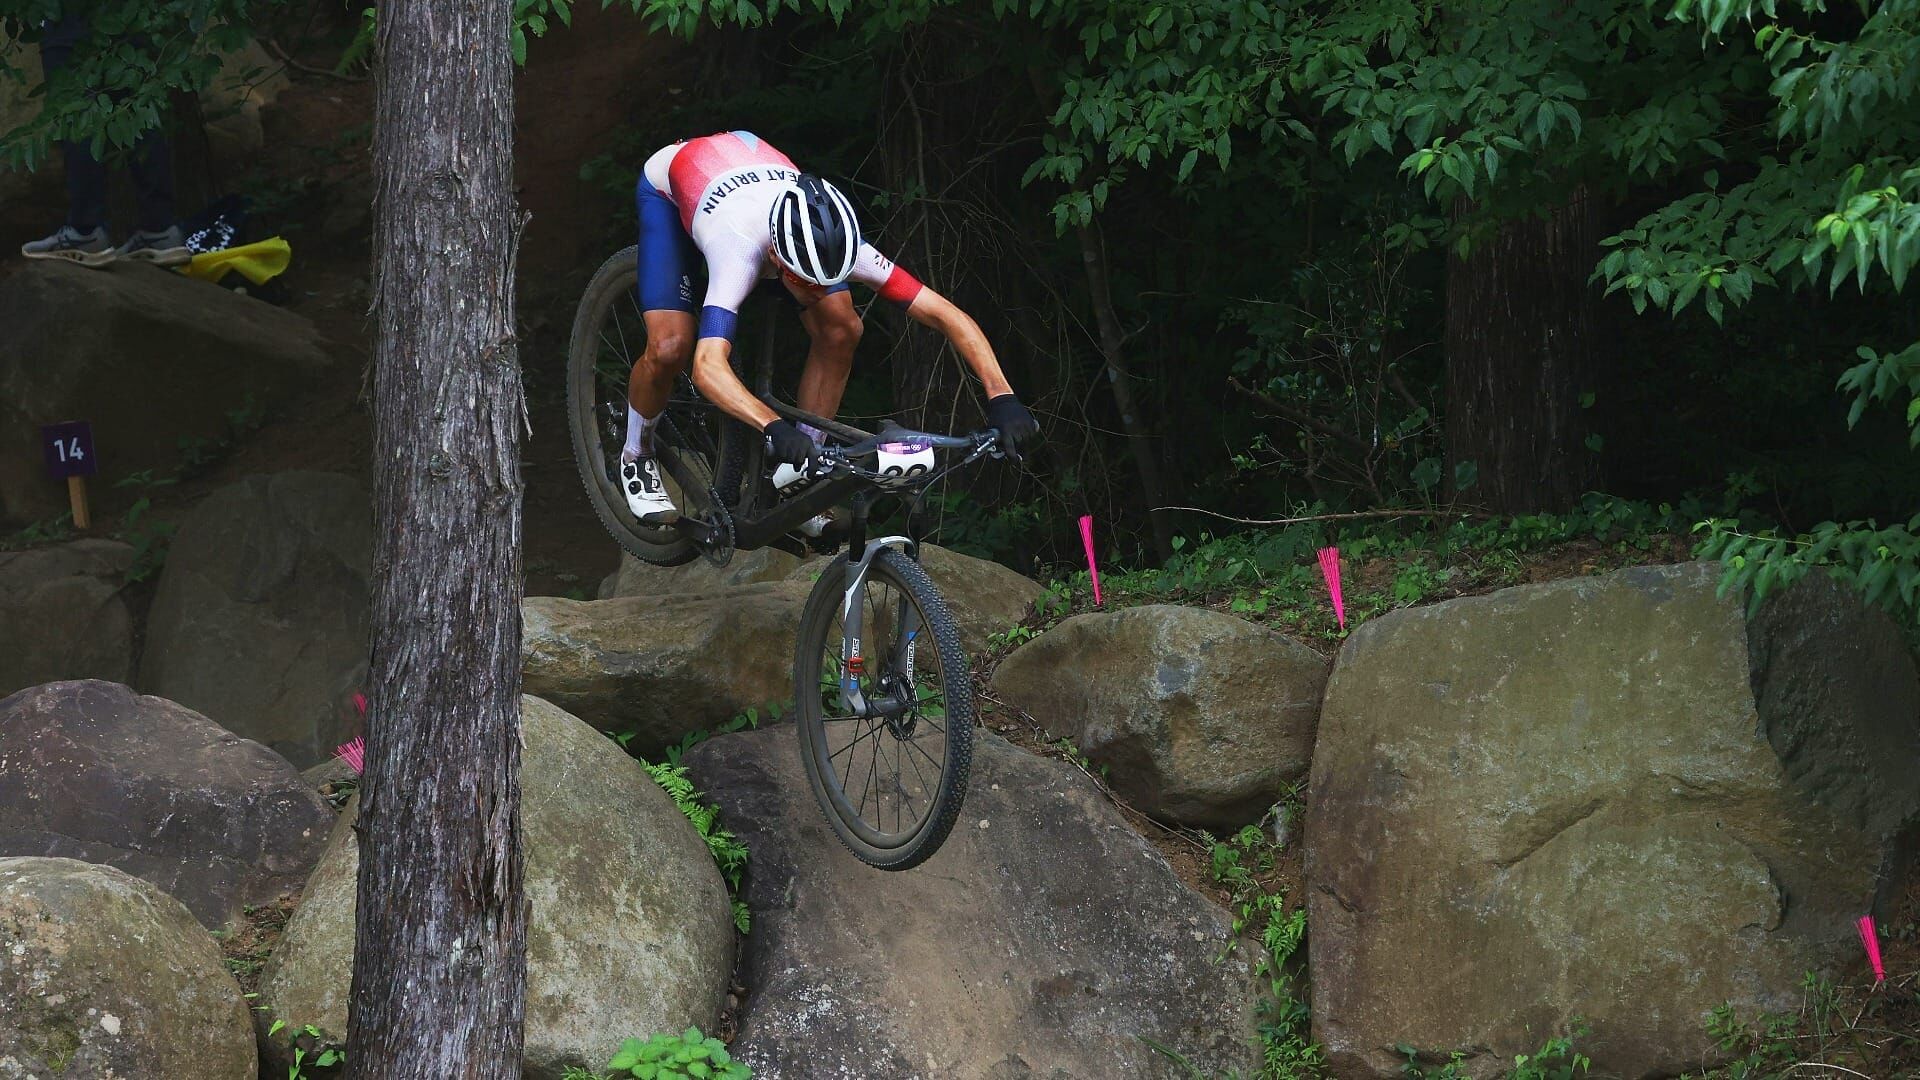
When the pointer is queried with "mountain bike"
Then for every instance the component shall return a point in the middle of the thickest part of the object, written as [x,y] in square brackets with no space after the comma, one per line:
[883,692]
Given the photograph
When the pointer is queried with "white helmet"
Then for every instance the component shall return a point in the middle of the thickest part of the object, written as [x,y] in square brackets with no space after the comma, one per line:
[814,231]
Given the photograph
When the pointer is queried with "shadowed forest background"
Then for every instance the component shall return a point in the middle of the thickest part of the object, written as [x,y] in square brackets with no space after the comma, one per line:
[1272,259]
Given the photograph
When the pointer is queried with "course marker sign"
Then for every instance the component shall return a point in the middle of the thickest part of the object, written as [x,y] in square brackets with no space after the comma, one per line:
[69,449]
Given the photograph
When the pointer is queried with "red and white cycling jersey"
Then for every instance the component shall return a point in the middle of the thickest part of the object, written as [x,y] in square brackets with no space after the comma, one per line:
[724,187]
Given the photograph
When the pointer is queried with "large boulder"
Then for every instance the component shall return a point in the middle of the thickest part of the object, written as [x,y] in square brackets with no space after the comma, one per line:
[260,620]
[150,357]
[629,928]
[1614,798]
[1045,939]
[91,770]
[636,578]
[62,615]
[984,597]
[103,975]
[663,665]
[1200,718]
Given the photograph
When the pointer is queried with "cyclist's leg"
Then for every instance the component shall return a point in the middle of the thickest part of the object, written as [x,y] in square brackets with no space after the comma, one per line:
[666,258]
[834,328]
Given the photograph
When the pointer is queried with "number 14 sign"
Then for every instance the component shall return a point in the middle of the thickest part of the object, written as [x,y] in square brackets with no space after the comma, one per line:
[69,449]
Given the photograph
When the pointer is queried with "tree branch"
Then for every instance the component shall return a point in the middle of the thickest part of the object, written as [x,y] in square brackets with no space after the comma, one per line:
[1299,416]
[1352,516]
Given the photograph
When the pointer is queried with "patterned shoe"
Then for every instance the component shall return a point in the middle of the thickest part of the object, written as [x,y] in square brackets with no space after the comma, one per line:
[164,248]
[86,248]
[646,494]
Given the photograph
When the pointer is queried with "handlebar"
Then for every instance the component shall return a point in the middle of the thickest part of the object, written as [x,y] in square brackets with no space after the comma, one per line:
[977,444]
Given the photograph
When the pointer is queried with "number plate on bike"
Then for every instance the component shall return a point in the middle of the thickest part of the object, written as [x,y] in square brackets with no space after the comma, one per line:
[902,463]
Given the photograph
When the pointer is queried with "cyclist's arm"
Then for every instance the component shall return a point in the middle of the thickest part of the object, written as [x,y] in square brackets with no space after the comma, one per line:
[713,376]
[931,309]
[729,280]
[928,307]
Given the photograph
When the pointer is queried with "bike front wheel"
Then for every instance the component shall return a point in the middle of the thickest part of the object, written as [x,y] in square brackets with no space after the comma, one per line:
[889,782]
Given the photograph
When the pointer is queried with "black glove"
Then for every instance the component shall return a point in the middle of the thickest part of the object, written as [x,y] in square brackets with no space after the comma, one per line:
[789,444]
[1016,424]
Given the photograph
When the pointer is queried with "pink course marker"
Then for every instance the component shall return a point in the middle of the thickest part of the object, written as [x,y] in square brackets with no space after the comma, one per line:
[1871,941]
[1330,569]
[355,752]
[1086,538]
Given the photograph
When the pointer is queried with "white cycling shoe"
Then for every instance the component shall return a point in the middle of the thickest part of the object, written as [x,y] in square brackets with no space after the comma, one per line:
[790,478]
[646,494]
[787,476]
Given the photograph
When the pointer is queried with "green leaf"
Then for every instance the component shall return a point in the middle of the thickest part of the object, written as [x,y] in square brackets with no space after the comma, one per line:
[1465,475]
[628,1055]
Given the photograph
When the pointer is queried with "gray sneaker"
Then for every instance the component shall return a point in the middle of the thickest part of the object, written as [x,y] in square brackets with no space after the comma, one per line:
[168,247]
[86,248]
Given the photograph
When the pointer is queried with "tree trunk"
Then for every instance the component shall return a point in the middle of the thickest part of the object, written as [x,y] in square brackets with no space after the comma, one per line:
[439,972]
[1113,350]
[1523,330]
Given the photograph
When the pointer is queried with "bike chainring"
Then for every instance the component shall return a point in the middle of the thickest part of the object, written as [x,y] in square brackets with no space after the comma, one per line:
[717,547]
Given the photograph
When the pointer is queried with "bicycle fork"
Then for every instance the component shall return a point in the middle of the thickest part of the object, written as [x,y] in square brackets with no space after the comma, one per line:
[853,663]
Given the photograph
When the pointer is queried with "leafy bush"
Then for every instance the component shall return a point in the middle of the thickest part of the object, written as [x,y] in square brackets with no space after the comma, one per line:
[668,1057]
[728,852]
[1556,1060]
[1245,864]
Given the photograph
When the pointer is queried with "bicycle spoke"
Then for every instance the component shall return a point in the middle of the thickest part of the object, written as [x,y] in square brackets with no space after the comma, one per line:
[916,766]
[856,740]
[873,774]
[915,743]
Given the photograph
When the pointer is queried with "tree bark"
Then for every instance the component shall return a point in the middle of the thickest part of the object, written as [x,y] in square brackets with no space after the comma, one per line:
[1113,350]
[1523,329]
[439,951]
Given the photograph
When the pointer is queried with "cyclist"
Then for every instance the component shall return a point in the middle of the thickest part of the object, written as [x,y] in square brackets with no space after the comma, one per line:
[752,214]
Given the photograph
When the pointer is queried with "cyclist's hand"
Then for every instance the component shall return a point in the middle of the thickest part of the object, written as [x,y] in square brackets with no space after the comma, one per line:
[1018,429]
[789,445]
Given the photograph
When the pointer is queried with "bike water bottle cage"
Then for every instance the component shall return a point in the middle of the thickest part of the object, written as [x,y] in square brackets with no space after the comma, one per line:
[814,232]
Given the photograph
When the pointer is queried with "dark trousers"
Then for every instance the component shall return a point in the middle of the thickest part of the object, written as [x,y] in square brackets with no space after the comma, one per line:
[151,161]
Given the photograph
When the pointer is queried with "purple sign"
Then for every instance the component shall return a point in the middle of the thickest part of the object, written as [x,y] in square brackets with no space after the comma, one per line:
[69,448]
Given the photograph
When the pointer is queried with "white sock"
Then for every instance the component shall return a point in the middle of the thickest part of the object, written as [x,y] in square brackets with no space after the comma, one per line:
[639,430]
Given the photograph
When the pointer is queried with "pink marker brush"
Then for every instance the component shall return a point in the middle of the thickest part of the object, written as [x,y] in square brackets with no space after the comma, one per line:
[1871,941]
[355,752]
[1086,539]
[1330,569]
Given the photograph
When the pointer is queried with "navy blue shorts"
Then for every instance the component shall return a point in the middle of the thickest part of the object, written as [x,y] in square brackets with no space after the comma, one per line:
[667,255]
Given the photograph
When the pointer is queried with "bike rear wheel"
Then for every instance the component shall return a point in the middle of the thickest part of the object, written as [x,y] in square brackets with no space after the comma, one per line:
[890,785]
[693,442]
